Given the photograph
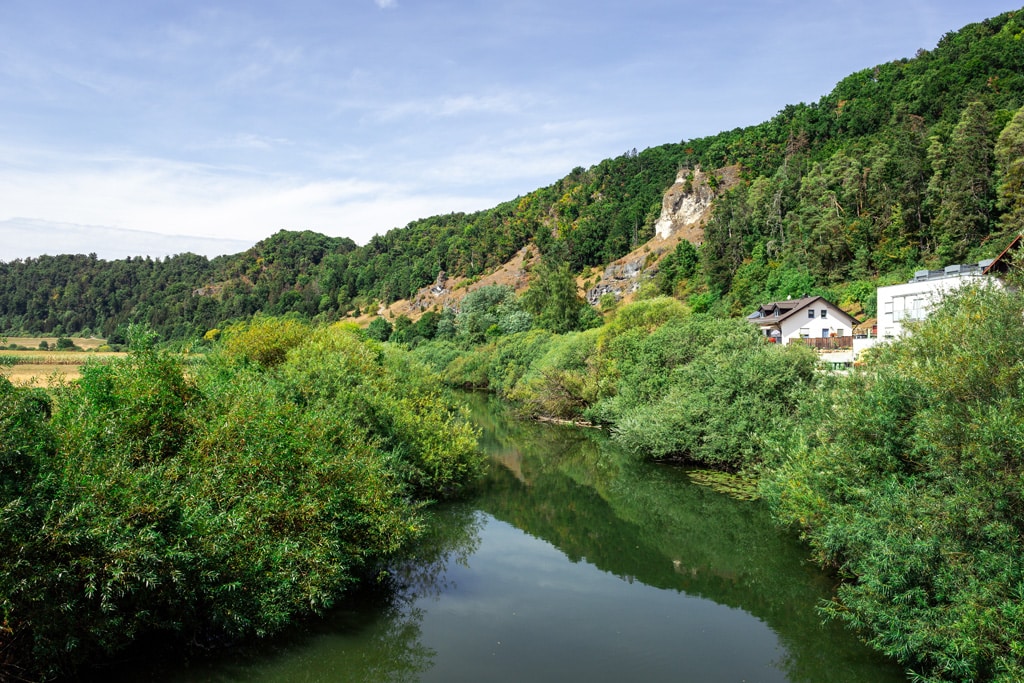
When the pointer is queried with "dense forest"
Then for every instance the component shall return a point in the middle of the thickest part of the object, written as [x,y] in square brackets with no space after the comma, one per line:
[908,164]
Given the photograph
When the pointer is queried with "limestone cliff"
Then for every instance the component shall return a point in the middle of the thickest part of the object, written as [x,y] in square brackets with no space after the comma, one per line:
[685,203]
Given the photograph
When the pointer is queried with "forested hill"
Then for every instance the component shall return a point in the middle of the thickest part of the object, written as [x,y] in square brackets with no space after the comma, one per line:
[903,165]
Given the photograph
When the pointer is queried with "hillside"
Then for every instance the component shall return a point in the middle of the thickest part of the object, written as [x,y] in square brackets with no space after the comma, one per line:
[908,164]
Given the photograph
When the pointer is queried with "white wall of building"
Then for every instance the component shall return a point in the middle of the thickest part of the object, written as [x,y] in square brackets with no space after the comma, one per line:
[802,325]
[912,301]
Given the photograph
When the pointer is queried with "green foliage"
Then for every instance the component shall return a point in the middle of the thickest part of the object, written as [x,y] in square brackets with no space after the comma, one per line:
[704,389]
[961,187]
[471,369]
[646,315]
[263,340]
[27,438]
[512,358]
[1009,156]
[491,307]
[379,329]
[554,301]
[563,381]
[221,502]
[907,478]
[680,265]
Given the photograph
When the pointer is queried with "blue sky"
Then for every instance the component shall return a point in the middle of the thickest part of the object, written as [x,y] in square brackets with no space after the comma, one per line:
[168,126]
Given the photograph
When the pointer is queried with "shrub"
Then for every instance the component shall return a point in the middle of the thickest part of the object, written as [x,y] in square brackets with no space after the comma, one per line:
[379,329]
[705,389]
[512,358]
[263,340]
[563,381]
[221,502]
[907,479]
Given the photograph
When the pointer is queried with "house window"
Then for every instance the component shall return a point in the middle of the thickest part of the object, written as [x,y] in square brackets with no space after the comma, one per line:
[805,332]
[810,313]
[824,313]
[824,333]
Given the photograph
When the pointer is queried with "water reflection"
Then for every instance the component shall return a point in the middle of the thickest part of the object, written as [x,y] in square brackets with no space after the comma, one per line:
[571,561]
[650,524]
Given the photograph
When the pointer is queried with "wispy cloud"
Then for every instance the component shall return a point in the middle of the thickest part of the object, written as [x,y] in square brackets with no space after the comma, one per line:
[457,105]
[386,4]
[244,141]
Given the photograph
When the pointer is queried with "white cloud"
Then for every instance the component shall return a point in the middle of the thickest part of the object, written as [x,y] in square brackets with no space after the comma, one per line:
[386,4]
[200,202]
[244,141]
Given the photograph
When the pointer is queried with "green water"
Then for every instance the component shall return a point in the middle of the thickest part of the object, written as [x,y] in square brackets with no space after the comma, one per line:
[573,563]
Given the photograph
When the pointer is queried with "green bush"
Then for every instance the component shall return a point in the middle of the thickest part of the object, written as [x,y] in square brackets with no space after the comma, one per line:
[704,389]
[564,380]
[512,358]
[263,340]
[907,478]
[379,329]
[221,502]
[470,370]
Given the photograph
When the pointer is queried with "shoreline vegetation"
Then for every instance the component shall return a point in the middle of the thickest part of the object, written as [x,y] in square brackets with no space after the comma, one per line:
[903,476]
[220,498]
[214,502]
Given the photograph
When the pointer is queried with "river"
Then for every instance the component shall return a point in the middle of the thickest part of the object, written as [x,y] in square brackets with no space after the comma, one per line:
[573,562]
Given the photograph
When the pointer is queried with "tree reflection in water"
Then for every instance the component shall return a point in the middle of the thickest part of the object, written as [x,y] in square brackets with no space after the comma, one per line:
[374,636]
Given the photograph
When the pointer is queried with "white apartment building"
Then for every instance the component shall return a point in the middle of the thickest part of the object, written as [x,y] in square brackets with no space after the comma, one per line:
[899,304]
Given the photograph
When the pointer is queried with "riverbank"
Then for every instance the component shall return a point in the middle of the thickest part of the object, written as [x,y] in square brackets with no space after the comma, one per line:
[901,475]
[215,504]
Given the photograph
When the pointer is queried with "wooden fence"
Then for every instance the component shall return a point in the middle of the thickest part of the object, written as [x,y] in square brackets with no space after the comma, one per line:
[827,343]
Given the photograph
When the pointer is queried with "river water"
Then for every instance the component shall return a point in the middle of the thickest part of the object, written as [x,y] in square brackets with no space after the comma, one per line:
[573,562]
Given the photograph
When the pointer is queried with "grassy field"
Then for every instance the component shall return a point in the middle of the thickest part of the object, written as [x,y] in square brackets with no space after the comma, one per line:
[40,368]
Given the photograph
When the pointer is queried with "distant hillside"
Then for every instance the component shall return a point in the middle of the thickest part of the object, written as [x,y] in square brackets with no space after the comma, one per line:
[897,168]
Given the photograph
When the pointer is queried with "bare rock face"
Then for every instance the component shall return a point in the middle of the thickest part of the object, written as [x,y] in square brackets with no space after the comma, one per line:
[620,278]
[440,285]
[685,203]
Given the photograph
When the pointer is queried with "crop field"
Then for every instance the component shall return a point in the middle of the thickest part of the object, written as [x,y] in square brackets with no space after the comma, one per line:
[36,367]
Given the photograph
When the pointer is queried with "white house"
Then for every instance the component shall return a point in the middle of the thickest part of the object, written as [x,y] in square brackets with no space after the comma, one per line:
[911,301]
[808,318]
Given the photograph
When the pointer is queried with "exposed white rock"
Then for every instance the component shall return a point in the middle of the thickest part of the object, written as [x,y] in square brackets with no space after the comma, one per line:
[684,203]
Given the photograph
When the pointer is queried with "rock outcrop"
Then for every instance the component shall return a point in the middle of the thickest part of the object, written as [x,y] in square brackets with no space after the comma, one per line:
[685,207]
[685,203]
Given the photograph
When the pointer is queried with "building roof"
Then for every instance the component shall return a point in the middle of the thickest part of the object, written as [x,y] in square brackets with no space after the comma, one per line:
[866,325]
[777,311]
[1001,263]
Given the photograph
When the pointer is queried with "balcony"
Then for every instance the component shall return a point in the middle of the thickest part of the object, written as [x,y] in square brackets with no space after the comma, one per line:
[827,343]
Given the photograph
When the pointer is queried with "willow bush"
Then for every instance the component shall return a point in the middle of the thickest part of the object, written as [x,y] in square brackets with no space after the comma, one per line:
[908,479]
[213,504]
[703,389]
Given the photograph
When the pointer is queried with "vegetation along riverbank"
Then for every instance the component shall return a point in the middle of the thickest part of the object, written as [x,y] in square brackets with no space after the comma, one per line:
[216,503]
[292,425]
